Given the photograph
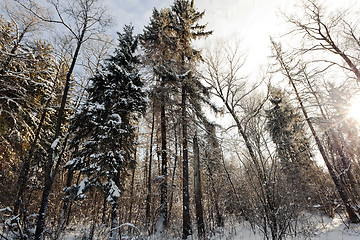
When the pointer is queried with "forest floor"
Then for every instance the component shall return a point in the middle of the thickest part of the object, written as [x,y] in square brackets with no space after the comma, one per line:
[315,227]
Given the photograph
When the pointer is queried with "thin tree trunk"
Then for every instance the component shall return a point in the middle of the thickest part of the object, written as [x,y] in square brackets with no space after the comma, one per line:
[215,149]
[132,182]
[173,174]
[49,176]
[64,217]
[339,186]
[104,209]
[22,181]
[114,221]
[197,190]
[345,160]
[148,195]
[186,197]
[132,192]
[14,49]
[219,218]
[162,223]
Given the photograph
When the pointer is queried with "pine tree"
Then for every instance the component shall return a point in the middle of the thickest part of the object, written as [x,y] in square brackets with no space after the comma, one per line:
[160,47]
[184,23]
[104,128]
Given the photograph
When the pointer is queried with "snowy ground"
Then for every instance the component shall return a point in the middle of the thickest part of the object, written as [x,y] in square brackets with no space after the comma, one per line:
[320,228]
[317,228]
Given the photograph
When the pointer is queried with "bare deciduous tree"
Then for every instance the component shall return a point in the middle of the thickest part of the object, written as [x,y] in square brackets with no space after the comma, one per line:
[288,72]
[82,19]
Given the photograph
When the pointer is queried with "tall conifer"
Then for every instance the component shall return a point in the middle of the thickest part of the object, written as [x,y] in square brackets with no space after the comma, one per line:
[104,129]
[184,22]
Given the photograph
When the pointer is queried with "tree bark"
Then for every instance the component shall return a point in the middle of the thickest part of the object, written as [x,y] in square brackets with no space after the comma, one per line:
[49,176]
[186,197]
[197,190]
[22,181]
[148,195]
[219,218]
[114,221]
[173,173]
[104,209]
[212,156]
[162,223]
[132,193]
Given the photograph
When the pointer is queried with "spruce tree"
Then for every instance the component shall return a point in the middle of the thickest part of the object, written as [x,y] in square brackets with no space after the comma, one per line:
[104,128]
[185,25]
[287,130]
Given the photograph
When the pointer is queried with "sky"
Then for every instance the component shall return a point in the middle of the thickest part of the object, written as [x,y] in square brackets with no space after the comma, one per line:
[252,21]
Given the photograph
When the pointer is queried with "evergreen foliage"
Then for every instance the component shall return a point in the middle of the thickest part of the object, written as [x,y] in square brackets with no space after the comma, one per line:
[104,128]
[287,129]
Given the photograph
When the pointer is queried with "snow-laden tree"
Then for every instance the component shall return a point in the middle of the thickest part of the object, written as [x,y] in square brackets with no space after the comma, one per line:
[28,72]
[104,128]
[287,130]
[30,78]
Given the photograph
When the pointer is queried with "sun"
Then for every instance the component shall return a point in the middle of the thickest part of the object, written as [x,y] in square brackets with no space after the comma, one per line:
[354,109]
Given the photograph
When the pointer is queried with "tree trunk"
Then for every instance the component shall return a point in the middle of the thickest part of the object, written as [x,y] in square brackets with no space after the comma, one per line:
[345,160]
[148,195]
[49,176]
[339,186]
[219,217]
[132,182]
[197,191]
[173,174]
[186,197]
[132,192]
[213,156]
[114,221]
[104,209]
[22,181]
[162,223]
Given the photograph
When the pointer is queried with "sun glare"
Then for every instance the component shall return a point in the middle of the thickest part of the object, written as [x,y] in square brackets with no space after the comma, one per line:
[354,109]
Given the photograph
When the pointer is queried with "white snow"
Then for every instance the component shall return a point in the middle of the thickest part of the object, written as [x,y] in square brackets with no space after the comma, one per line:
[114,190]
[116,118]
[55,143]
[6,209]
[96,106]
[81,188]
[316,227]
[320,228]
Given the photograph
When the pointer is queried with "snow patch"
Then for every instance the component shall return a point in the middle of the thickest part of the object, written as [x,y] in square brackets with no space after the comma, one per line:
[55,143]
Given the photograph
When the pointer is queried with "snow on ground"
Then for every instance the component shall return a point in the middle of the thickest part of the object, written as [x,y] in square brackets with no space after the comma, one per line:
[336,229]
[316,228]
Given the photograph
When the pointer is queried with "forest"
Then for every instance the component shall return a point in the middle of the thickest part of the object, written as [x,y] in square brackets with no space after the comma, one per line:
[151,135]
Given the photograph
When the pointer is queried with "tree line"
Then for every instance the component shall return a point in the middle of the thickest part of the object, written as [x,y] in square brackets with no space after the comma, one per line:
[117,137]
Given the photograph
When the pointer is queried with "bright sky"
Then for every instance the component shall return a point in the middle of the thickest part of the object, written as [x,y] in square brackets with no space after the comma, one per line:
[252,21]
